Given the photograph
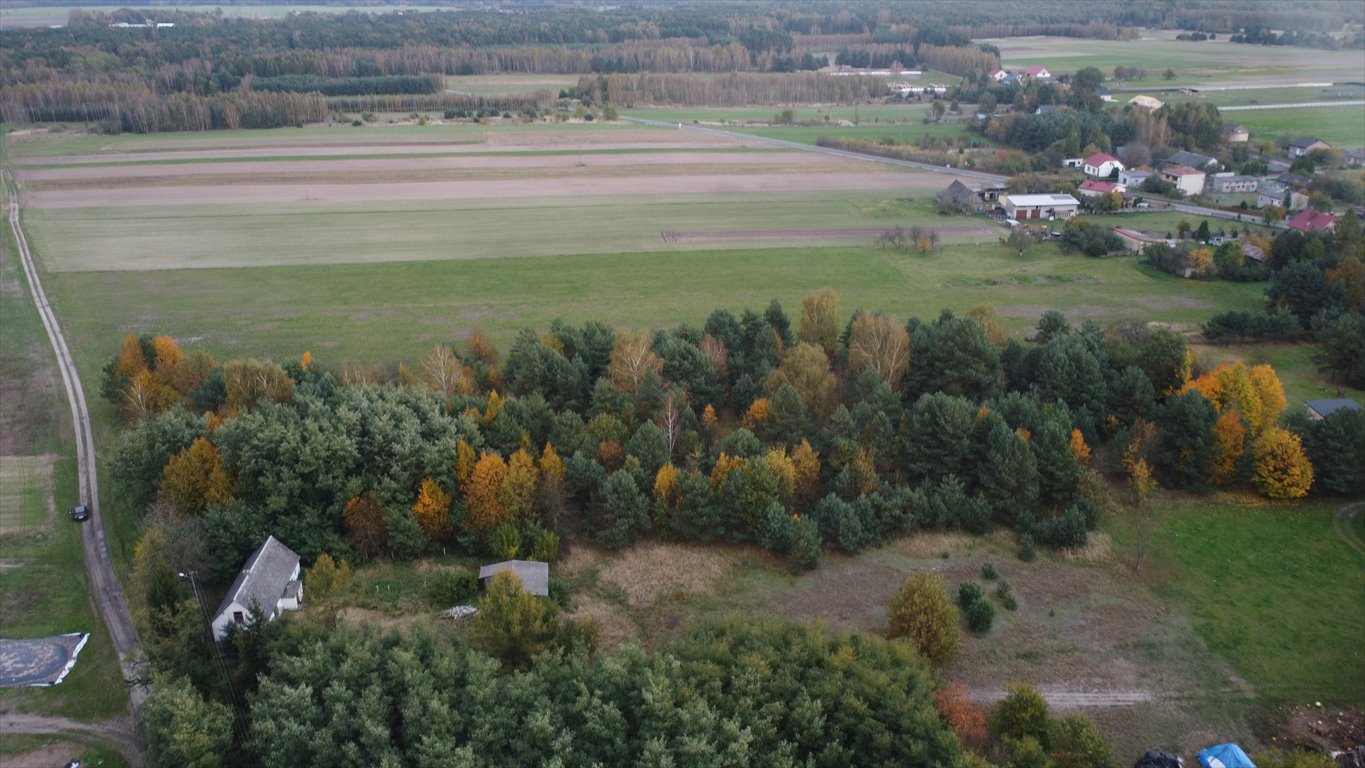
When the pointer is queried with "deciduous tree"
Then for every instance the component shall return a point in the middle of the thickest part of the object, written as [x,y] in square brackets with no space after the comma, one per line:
[879,344]
[511,625]
[922,613]
[364,520]
[1281,468]
[821,317]
[194,478]
[631,360]
[432,510]
[482,494]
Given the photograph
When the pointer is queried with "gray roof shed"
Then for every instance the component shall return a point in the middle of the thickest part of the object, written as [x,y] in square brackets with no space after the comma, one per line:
[535,577]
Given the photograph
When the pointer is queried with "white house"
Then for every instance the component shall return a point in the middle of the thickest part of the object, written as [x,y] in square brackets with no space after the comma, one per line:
[1050,206]
[1101,164]
[269,583]
[1092,188]
[1188,180]
[1038,73]
[1133,177]
[1231,183]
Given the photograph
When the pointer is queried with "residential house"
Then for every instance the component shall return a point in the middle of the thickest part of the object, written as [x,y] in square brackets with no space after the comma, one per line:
[1092,188]
[1133,177]
[1312,222]
[1321,409]
[1276,165]
[1073,162]
[1193,160]
[1101,164]
[998,75]
[1189,181]
[1295,180]
[1305,145]
[1355,158]
[959,197]
[1047,206]
[268,583]
[1036,73]
[1273,192]
[1047,109]
[1134,240]
[1235,134]
[1231,183]
[535,577]
[1146,102]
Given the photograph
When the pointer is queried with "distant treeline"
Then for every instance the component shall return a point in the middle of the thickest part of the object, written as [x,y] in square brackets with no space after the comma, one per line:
[728,91]
[350,86]
[134,108]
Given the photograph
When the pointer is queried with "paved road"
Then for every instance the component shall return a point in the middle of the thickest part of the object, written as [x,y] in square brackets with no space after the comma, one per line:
[104,586]
[1244,107]
[959,172]
[118,733]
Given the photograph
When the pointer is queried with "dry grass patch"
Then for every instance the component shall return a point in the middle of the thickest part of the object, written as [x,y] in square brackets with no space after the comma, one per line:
[649,572]
[580,560]
[385,621]
[934,544]
[1099,548]
[614,628]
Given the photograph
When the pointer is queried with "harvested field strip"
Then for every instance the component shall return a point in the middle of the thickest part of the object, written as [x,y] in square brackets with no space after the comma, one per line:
[331,194]
[120,161]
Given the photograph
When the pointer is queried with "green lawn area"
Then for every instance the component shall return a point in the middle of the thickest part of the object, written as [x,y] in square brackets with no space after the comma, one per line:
[874,122]
[1272,589]
[1340,126]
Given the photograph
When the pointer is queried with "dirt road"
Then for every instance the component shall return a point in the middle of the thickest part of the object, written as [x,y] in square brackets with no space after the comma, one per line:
[1342,523]
[104,586]
[117,733]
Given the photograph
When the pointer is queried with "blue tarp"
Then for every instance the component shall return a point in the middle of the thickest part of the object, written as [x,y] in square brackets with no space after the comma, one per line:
[1225,756]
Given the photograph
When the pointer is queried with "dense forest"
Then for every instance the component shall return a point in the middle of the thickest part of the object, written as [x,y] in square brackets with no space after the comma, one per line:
[209,71]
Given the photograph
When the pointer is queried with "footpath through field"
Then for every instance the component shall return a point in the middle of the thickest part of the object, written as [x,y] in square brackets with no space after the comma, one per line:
[105,589]
[119,733]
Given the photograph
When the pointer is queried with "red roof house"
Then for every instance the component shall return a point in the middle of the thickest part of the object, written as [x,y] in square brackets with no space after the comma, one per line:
[1092,188]
[1312,222]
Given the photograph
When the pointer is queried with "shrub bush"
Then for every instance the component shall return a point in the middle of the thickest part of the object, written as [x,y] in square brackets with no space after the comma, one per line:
[1027,550]
[451,588]
[980,616]
[968,592]
[921,613]
[988,572]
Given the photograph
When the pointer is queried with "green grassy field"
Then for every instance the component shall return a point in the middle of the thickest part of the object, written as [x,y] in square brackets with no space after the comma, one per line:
[1340,126]
[25,490]
[875,122]
[1288,617]
[379,312]
[1205,62]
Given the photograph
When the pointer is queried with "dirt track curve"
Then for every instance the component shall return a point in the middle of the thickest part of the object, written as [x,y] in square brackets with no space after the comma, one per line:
[1342,523]
[104,586]
[117,733]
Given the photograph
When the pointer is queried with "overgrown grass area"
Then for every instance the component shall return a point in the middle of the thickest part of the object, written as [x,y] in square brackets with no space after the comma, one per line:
[384,312]
[1292,362]
[1273,589]
[902,123]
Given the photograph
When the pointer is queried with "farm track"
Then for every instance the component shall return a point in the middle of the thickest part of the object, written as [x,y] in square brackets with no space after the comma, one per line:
[118,733]
[1342,522]
[105,590]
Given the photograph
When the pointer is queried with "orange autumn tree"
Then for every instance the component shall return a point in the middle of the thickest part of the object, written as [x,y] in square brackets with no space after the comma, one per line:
[666,486]
[194,479]
[432,510]
[1281,469]
[1079,448]
[758,413]
[1230,439]
[551,491]
[465,459]
[1254,391]
[966,718]
[482,494]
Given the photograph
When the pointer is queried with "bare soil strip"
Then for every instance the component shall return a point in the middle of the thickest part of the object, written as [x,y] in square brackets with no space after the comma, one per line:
[118,732]
[392,167]
[257,194]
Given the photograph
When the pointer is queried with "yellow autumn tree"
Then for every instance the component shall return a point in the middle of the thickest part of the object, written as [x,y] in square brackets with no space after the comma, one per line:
[518,491]
[708,418]
[632,360]
[990,321]
[725,464]
[880,344]
[1230,440]
[1269,392]
[249,382]
[1079,448]
[131,359]
[167,351]
[306,360]
[552,474]
[864,471]
[758,413]
[194,479]
[495,404]
[432,510]
[666,486]
[784,469]
[144,395]
[1281,469]
[465,458]
[806,481]
[482,494]
[821,317]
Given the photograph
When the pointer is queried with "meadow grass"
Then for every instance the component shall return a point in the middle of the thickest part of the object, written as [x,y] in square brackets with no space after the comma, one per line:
[384,312]
[1273,590]
[25,487]
[1341,126]
[509,84]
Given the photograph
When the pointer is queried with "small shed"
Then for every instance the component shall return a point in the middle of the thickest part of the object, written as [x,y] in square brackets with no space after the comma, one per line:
[959,196]
[535,577]
[1321,409]
[1225,756]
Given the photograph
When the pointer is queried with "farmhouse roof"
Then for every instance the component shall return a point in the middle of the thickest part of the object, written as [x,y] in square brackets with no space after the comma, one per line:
[1325,408]
[1028,201]
[1146,102]
[957,193]
[535,577]
[1090,185]
[264,579]
[1253,252]
[1293,179]
[1034,71]
[1133,234]
[1192,159]
[1311,221]
[1304,142]
[1182,170]
[1100,158]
